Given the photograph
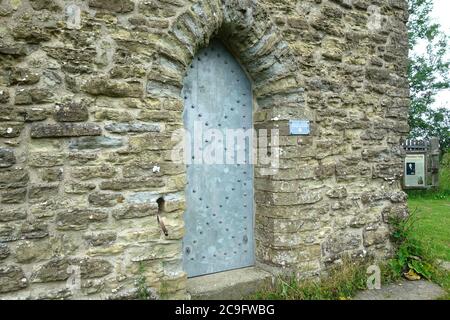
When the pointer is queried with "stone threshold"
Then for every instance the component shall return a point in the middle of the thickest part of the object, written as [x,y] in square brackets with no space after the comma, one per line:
[229,285]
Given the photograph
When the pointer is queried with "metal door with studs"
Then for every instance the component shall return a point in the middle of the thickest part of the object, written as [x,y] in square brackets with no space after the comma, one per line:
[219,209]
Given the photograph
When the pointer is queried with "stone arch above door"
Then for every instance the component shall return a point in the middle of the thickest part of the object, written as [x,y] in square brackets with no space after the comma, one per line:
[247,31]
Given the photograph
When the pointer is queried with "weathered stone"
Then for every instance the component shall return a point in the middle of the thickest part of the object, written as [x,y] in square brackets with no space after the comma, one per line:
[23,76]
[8,233]
[4,96]
[54,270]
[51,174]
[113,88]
[60,130]
[342,241]
[395,212]
[46,159]
[378,75]
[338,193]
[377,236]
[147,168]
[33,230]
[78,188]
[78,219]
[118,6]
[51,5]
[13,178]
[14,195]
[45,209]
[152,141]
[172,202]
[29,251]
[157,115]
[135,211]
[91,172]
[133,127]
[28,29]
[60,294]
[33,96]
[102,114]
[77,158]
[43,192]
[132,183]
[10,129]
[100,238]
[12,214]
[4,251]
[103,199]
[14,49]
[71,112]
[93,268]
[12,278]
[74,60]
[95,143]
[7,158]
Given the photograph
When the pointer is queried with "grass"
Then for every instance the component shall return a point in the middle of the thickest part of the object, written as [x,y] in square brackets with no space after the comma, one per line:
[432,209]
[341,284]
[432,228]
[433,225]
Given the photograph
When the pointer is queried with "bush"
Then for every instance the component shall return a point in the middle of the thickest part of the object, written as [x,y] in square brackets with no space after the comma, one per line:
[413,257]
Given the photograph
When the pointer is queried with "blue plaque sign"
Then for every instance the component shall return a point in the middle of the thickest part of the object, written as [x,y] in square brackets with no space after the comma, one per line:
[299,127]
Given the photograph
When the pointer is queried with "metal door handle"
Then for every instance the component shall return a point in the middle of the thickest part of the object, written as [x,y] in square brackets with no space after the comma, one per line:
[161,224]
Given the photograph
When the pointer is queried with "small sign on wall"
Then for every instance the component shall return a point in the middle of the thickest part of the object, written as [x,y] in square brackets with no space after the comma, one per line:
[415,170]
[299,127]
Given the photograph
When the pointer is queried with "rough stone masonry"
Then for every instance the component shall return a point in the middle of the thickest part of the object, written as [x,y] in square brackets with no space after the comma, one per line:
[89,99]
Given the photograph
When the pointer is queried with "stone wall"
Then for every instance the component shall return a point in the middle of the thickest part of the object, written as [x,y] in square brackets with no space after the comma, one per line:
[90,97]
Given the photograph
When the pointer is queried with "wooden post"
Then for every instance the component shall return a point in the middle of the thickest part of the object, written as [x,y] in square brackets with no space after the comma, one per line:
[434,157]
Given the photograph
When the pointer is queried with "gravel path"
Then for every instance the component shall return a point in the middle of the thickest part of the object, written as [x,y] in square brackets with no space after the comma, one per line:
[404,290]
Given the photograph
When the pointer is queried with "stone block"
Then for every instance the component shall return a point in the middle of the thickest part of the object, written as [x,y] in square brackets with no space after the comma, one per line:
[113,88]
[71,111]
[86,143]
[78,218]
[12,278]
[117,6]
[135,211]
[61,130]
[7,158]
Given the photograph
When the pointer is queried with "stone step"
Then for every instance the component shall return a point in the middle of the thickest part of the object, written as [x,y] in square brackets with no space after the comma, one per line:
[229,285]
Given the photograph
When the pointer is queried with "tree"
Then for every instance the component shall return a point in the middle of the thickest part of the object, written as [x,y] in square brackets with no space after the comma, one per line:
[428,73]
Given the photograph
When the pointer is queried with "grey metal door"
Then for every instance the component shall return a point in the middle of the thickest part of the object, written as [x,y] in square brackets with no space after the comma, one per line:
[219,214]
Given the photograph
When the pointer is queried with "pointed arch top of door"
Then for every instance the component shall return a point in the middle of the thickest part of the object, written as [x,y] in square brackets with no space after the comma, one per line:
[246,29]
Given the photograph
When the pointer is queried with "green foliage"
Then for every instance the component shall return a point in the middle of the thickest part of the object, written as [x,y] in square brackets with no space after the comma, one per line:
[141,284]
[428,73]
[342,283]
[412,254]
[432,234]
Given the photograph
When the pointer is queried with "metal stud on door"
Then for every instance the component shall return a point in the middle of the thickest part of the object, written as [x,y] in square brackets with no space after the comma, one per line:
[219,212]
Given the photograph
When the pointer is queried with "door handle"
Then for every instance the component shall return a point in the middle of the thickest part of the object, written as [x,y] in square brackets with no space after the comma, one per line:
[162,225]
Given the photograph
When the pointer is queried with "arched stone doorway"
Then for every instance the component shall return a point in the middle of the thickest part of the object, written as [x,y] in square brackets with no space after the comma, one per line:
[219,215]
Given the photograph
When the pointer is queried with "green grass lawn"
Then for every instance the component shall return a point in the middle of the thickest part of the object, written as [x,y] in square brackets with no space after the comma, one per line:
[432,209]
[432,227]
[433,224]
